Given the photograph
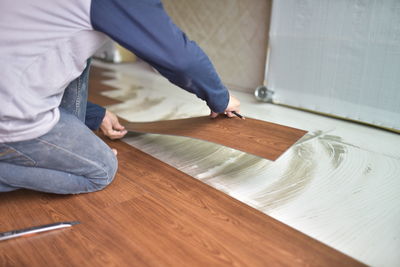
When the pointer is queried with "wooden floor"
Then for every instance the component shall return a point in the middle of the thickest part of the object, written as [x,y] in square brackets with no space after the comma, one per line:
[152,215]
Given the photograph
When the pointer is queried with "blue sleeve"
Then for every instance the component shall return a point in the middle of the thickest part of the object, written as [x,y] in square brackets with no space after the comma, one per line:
[94,115]
[143,27]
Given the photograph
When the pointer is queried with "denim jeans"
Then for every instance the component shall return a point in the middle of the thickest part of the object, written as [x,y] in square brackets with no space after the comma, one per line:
[69,159]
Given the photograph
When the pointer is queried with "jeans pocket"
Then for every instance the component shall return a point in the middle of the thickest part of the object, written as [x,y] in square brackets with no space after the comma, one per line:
[12,156]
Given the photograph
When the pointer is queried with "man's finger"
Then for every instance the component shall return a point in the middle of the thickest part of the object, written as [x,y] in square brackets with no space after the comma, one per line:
[119,127]
[213,114]
[118,134]
[230,114]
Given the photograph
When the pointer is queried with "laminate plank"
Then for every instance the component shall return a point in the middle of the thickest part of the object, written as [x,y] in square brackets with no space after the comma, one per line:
[100,86]
[153,215]
[94,242]
[102,100]
[261,138]
[99,73]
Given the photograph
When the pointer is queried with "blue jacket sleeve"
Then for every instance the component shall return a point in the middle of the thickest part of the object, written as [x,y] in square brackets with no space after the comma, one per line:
[94,116]
[143,27]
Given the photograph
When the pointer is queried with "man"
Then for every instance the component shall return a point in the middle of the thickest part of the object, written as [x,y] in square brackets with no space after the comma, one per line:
[44,48]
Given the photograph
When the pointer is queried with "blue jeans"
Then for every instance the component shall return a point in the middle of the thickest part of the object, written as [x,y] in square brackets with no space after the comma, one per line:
[69,159]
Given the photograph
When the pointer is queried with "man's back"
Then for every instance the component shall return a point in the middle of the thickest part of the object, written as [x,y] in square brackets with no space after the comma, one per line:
[44,45]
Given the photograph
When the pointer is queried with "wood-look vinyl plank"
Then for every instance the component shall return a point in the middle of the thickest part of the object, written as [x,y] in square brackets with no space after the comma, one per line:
[99,73]
[178,241]
[120,190]
[92,242]
[99,87]
[102,100]
[261,138]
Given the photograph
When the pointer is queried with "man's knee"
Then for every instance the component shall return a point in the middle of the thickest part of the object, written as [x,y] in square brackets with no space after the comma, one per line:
[106,173]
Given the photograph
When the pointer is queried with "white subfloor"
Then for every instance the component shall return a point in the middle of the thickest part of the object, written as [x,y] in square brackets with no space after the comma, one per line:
[340,184]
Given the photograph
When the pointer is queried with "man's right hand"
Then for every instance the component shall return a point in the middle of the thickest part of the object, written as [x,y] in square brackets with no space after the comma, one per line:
[111,127]
[233,105]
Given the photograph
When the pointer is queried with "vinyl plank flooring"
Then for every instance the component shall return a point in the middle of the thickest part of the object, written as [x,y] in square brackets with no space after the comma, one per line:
[260,138]
[168,219]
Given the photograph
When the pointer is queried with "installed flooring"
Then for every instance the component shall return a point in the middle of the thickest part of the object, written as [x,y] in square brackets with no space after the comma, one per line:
[153,215]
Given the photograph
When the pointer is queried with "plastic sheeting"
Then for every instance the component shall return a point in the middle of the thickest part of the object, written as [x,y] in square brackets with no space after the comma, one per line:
[337,57]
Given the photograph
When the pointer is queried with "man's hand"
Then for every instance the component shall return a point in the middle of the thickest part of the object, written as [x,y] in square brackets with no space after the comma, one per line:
[233,105]
[111,127]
